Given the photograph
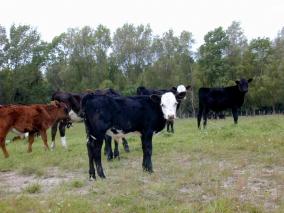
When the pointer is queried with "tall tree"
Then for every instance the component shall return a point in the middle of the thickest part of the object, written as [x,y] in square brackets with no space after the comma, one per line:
[212,59]
[131,49]
[26,56]
[235,51]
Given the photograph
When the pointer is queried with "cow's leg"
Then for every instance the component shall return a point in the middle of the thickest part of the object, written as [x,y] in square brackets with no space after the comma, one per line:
[172,126]
[62,128]
[98,143]
[90,147]
[108,148]
[205,113]
[125,145]
[19,137]
[116,151]
[146,139]
[168,126]
[53,134]
[235,114]
[44,139]
[199,115]
[31,141]
[3,146]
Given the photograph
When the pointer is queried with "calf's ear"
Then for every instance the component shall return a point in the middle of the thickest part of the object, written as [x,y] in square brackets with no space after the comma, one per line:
[237,82]
[250,80]
[54,102]
[155,98]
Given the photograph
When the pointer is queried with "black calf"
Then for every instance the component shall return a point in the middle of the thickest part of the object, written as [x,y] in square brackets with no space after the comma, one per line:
[219,99]
[120,115]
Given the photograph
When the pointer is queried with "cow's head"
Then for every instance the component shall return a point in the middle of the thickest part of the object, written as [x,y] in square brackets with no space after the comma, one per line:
[168,102]
[243,84]
[61,109]
[181,90]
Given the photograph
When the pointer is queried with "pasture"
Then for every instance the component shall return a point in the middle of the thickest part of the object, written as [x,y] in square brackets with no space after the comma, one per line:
[224,168]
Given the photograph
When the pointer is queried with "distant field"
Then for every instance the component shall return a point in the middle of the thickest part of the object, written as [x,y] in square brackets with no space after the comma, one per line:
[225,168]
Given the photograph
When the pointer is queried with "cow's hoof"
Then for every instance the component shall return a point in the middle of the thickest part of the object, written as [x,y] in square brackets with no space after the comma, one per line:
[126,149]
[148,170]
[109,157]
[52,146]
[116,156]
[101,172]
[102,175]
[92,178]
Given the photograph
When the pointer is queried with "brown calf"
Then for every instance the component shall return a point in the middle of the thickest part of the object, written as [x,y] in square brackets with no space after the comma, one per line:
[36,118]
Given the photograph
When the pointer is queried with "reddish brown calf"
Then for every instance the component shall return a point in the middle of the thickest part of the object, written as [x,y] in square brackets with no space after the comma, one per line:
[36,118]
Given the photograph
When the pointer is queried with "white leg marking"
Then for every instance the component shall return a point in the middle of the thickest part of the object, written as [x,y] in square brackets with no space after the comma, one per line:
[63,142]
[52,145]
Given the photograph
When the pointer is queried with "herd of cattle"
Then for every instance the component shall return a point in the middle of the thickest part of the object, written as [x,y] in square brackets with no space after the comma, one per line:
[108,115]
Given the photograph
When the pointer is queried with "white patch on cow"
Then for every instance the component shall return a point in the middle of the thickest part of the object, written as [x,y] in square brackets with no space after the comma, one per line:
[21,134]
[74,117]
[169,105]
[17,132]
[119,135]
[52,145]
[181,88]
[92,137]
[63,142]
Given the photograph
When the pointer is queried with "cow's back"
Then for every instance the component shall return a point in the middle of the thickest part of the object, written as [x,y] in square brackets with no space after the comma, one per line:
[219,99]
[127,113]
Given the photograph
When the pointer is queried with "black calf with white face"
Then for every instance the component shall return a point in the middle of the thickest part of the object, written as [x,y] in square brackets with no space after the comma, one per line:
[180,91]
[143,114]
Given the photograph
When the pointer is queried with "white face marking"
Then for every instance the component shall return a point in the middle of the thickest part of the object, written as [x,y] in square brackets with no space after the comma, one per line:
[181,88]
[169,105]
[74,117]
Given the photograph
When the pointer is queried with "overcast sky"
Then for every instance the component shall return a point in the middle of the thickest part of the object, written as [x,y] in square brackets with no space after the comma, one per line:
[258,18]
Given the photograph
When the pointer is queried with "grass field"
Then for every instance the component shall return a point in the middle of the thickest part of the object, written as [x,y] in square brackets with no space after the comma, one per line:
[225,168]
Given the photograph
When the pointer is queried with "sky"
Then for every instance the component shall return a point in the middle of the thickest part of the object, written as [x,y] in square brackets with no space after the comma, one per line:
[258,18]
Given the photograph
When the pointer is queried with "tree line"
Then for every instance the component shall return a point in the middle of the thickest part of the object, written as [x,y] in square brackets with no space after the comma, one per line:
[90,58]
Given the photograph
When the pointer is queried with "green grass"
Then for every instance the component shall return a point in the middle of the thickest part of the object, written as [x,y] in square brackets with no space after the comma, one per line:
[33,188]
[224,168]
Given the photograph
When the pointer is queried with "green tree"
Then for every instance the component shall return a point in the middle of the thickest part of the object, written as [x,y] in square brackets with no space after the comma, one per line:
[26,55]
[257,60]
[212,60]
[132,50]
[235,51]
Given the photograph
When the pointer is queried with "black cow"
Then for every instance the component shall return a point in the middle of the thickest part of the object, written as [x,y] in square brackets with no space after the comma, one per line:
[72,100]
[181,89]
[219,99]
[120,115]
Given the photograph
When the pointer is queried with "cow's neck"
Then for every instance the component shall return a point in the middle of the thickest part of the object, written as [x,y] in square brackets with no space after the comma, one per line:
[240,96]
[52,112]
[75,105]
